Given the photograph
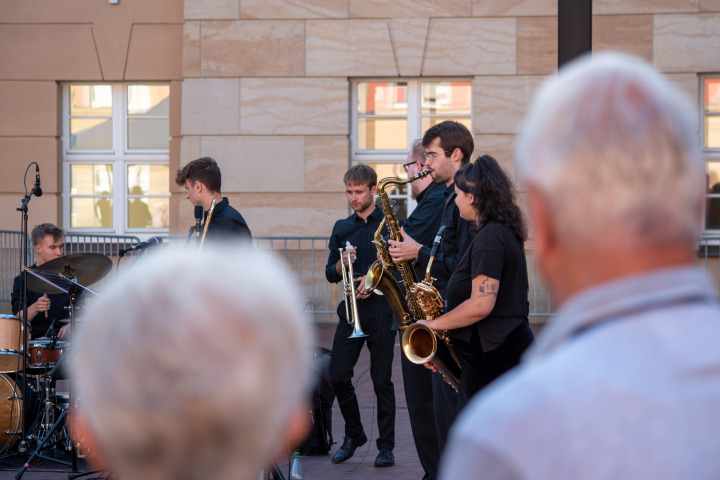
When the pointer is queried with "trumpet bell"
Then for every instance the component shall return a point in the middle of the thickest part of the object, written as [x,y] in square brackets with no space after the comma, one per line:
[357,332]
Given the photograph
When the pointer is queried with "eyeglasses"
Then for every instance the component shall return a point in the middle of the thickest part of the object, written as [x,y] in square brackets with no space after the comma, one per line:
[407,166]
[432,155]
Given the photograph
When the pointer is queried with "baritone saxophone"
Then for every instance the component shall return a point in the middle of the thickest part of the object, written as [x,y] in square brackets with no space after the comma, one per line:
[420,343]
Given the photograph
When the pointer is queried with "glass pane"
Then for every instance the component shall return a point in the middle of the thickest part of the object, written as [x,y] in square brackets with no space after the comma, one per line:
[712,95]
[382,133]
[712,131]
[148,212]
[148,100]
[712,218]
[91,212]
[149,133]
[447,97]
[91,179]
[92,100]
[427,122]
[397,193]
[90,133]
[148,180]
[382,98]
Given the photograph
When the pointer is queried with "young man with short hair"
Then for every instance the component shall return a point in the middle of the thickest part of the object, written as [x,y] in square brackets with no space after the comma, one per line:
[202,179]
[375,318]
[48,241]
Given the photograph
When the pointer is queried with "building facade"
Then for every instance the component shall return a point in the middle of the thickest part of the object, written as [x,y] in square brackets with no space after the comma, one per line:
[111,97]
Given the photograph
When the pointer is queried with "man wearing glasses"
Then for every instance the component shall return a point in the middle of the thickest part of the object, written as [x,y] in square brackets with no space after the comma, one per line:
[422,225]
[448,146]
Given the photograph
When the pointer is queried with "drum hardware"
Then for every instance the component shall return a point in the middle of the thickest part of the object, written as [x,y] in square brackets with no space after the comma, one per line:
[63,274]
[48,431]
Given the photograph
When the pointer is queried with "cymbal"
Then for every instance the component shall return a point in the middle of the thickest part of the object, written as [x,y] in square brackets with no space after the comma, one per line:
[86,268]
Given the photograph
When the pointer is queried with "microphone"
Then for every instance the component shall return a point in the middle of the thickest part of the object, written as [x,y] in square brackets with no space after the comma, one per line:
[150,243]
[436,242]
[37,191]
[49,333]
[199,214]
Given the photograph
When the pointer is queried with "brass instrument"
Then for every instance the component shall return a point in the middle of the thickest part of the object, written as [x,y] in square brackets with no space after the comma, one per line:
[420,343]
[351,314]
[379,277]
[207,223]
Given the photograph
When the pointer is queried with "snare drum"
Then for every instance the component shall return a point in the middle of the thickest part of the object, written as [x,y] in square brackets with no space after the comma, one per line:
[10,343]
[41,356]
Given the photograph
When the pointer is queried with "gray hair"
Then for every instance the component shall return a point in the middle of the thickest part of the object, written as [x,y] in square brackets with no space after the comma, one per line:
[418,151]
[191,365]
[612,147]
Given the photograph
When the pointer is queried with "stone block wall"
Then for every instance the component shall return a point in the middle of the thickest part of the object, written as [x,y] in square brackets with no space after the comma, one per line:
[266,87]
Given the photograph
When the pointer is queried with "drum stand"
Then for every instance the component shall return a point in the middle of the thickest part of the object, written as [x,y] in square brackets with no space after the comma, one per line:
[73,290]
[47,415]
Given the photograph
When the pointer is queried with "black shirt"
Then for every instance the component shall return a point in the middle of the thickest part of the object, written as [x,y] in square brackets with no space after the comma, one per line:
[39,324]
[227,222]
[456,239]
[360,234]
[424,222]
[496,253]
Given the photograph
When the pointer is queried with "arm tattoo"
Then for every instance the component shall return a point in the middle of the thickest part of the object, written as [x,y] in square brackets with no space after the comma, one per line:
[488,287]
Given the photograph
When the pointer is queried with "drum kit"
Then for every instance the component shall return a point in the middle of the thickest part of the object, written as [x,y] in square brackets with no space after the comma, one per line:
[29,371]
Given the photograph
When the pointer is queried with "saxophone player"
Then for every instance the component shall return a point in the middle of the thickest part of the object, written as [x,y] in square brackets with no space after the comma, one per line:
[448,146]
[202,180]
[421,225]
[375,319]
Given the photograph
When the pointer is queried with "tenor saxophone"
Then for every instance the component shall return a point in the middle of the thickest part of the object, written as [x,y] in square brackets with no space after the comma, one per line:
[420,343]
[379,277]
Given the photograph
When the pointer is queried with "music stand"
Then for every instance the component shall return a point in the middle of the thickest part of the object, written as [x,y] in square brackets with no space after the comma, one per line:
[73,289]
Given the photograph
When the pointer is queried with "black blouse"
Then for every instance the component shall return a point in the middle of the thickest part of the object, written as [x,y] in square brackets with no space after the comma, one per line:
[496,253]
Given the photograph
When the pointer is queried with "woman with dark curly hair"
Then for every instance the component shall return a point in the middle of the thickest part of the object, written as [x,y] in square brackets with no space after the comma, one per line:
[487,294]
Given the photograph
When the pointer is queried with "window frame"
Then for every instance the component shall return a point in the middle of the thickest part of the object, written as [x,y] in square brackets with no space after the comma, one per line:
[414,118]
[119,156]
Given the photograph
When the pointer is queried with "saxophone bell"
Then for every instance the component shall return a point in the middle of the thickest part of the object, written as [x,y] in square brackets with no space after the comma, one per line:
[421,345]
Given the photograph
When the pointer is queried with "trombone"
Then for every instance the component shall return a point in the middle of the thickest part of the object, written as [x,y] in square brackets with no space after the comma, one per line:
[351,313]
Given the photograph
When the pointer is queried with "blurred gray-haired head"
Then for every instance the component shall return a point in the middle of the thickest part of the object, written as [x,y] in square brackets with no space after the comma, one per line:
[191,365]
[612,147]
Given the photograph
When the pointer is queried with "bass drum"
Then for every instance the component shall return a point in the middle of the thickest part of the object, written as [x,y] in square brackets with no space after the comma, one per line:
[10,413]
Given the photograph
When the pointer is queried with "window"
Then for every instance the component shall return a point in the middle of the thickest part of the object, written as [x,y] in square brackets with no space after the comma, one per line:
[115,151]
[710,102]
[389,114]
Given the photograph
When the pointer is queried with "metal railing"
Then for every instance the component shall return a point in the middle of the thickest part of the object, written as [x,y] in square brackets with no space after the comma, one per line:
[304,258]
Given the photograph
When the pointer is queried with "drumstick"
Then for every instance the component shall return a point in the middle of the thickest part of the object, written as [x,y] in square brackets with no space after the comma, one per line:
[46,312]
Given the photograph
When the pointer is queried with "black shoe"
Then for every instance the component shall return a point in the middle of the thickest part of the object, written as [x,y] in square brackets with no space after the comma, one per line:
[348,448]
[385,458]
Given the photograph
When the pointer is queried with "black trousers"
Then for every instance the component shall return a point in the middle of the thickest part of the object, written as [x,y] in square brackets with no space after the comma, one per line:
[480,368]
[345,352]
[419,399]
[444,408]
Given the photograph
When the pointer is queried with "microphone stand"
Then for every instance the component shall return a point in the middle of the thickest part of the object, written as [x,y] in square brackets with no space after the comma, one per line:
[23,209]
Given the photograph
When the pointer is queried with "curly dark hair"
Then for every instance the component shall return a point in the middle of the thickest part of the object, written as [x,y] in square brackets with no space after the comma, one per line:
[493,194]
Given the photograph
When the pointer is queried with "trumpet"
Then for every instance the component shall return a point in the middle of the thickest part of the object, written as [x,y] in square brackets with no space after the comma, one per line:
[351,313]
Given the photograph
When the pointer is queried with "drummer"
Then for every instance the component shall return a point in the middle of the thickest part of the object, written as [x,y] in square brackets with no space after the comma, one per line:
[44,311]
